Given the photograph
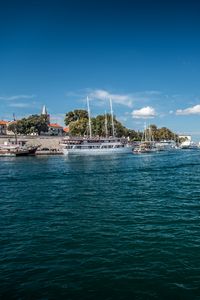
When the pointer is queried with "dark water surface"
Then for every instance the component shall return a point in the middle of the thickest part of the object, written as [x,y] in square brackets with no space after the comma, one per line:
[123,227]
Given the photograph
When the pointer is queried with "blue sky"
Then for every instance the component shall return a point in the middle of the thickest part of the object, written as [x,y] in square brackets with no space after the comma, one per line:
[142,54]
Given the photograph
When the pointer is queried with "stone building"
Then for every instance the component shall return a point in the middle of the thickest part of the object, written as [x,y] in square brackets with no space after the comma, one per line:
[3,127]
[55,129]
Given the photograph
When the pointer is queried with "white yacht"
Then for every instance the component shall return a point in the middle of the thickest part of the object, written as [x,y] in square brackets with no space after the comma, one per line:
[188,145]
[166,145]
[187,142]
[96,145]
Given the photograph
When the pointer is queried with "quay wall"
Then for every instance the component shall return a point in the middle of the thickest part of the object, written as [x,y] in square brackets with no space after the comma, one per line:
[51,142]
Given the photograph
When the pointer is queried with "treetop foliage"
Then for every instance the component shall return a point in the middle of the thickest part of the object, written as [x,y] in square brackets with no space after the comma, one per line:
[77,121]
[32,124]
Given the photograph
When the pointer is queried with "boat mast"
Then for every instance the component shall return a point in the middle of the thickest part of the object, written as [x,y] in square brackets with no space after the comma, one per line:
[151,138]
[112,120]
[15,128]
[89,117]
[145,132]
[106,124]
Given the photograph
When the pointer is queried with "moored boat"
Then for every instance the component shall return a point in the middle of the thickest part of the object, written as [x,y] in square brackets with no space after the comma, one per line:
[189,145]
[16,149]
[144,147]
[166,145]
[147,144]
[95,146]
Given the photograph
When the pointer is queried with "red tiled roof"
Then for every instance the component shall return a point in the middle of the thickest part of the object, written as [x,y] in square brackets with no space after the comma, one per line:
[55,125]
[2,122]
[66,129]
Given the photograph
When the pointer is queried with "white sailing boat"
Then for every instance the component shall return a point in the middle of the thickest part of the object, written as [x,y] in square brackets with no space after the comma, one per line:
[147,144]
[96,145]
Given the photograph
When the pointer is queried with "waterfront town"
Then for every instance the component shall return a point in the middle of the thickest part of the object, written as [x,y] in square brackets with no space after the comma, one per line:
[37,131]
[54,129]
[48,142]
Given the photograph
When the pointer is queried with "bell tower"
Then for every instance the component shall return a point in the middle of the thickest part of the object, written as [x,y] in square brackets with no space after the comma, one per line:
[45,113]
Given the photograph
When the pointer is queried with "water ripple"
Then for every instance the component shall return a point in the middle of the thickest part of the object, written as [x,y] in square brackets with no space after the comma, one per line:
[125,227]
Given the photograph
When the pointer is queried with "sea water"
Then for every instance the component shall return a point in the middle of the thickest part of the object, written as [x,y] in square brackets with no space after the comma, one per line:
[121,227]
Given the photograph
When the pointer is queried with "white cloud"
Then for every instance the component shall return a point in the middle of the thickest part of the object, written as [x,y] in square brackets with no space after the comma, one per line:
[17,97]
[144,113]
[195,110]
[20,105]
[125,99]
[116,98]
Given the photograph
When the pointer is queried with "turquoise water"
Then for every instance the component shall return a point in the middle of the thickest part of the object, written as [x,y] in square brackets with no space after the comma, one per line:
[123,227]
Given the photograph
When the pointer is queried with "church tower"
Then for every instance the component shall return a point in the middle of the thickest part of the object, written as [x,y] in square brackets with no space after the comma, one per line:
[44,110]
[45,113]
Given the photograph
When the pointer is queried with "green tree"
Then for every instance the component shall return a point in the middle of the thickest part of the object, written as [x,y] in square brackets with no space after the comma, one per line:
[165,134]
[154,132]
[134,135]
[33,124]
[75,115]
[162,133]
[77,121]
[79,127]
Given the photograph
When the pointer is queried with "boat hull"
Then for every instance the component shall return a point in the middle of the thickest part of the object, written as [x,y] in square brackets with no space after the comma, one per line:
[18,152]
[99,151]
[7,154]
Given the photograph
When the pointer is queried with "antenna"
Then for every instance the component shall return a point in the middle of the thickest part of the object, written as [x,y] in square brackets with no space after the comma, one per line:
[111,111]
[90,128]
[106,124]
